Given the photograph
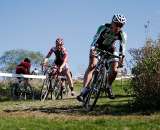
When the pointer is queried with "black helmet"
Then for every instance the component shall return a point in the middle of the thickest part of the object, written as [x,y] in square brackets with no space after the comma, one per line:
[27,60]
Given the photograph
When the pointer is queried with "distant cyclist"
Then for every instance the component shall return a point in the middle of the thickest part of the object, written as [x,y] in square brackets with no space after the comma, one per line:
[105,40]
[61,59]
[24,67]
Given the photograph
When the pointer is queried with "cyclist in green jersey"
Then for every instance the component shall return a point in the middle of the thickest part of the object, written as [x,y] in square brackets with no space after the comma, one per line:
[105,39]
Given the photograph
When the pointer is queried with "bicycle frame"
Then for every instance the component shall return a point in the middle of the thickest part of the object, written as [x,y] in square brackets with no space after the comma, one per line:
[99,79]
[53,83]
[104,64]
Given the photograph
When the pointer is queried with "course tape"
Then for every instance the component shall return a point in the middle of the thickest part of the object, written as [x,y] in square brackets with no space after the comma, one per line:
[22,76]
[44,77]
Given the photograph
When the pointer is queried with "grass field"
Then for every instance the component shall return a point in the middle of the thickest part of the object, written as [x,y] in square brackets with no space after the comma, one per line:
[67,114]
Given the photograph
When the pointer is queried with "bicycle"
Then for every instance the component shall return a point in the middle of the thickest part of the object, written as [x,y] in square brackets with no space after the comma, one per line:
[53,84]
[22,90]
[99,80]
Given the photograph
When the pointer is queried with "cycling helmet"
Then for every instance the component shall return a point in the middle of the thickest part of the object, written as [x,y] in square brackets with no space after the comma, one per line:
[27,60]
[59,41]
[118,18]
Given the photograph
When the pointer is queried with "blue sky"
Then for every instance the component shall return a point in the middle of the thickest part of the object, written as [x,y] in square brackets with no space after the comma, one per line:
[35,24]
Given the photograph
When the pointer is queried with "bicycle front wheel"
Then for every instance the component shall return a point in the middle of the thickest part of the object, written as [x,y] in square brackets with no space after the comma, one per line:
[58,91]
[30,92]
[94,93]
[45,89]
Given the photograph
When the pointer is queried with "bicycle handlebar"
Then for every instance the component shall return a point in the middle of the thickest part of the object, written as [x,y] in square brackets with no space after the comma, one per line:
[107,53]
[110,54]
[49,66]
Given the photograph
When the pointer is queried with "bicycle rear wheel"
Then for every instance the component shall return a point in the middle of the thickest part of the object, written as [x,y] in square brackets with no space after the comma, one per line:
[45,89]
[14,91]
[25,91]
[95,89]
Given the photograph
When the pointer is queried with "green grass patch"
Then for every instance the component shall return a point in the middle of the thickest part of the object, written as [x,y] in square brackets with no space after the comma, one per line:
[120,123]
[68,114]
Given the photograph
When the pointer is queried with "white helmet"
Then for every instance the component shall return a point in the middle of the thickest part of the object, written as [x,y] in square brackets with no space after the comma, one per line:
[118,18]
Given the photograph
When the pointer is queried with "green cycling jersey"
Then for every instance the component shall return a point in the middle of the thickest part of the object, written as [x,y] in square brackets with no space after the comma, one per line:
[105,39]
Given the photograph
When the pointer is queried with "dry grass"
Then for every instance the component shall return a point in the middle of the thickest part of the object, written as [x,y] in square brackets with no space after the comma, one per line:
[67,109]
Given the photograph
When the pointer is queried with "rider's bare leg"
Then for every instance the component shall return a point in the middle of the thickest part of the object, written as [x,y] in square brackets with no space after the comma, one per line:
[111,78]
[113,74]
[70,81]
[88,75]
[89,71]
[26,81]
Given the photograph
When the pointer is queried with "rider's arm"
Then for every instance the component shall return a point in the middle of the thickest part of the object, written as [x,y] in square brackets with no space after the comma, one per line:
[122,46]
[48,55]
[65,58]
[96,36]
[50,52]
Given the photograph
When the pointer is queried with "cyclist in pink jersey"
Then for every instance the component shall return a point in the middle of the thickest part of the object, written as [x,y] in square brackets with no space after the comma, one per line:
[61,59]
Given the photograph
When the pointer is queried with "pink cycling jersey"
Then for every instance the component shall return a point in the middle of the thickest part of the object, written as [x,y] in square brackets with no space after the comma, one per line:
[61,55]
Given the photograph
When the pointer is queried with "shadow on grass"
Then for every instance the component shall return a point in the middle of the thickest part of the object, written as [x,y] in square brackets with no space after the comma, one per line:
[114,110]
[112,107]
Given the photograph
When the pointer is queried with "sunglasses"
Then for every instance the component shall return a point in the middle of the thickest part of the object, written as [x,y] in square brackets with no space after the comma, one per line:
[59,45]
[119,25]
